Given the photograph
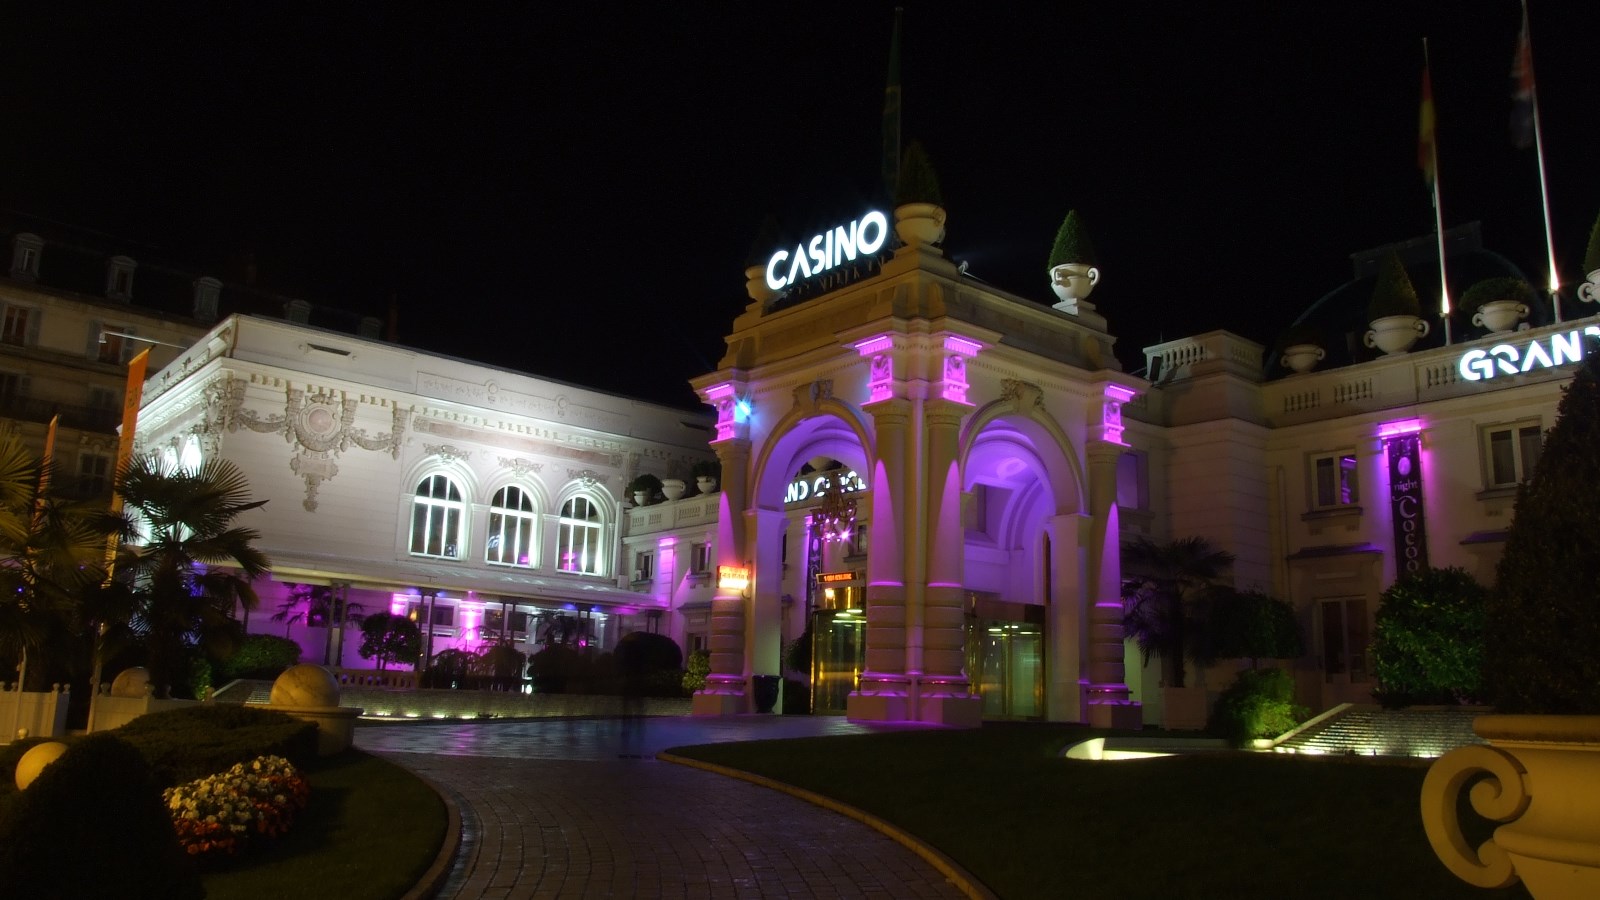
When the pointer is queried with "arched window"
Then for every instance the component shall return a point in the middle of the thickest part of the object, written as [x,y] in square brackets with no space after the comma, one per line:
[512,536]
[581,545]
[436,517]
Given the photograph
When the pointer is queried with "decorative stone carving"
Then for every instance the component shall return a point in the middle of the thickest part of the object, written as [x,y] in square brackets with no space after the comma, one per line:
[319,427]
[584,477]
[521,467]
[1022,395]
[448,452]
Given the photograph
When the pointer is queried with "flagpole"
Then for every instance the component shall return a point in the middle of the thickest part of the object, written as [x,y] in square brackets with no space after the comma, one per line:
[1538,149]
[1438,213]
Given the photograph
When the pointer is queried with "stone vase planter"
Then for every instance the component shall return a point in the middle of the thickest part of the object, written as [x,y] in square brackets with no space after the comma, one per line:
[755,284]
[673,488]
[1500,315]
[641,498]
[1072,282]
[1542,778]
[1302,358]
[917,224]
[1589,291]
[706,484]
[1395,334]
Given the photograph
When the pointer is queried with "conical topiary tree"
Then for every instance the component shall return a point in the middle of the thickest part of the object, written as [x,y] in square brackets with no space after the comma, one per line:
[1543,617]
[1591,257]
[919,183]
[1072,243]
[1393,295]
[1492,289]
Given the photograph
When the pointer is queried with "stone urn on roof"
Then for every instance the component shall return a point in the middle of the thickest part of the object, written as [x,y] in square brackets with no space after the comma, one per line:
[1073,273]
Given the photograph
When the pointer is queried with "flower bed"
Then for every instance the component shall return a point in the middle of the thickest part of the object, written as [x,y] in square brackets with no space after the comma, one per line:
[221,813]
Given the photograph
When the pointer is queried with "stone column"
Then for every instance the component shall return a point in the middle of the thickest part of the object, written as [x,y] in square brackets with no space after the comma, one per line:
[1108,701]
[943,693]
[764,610]
[884,688]
[726,690]
[1064,701]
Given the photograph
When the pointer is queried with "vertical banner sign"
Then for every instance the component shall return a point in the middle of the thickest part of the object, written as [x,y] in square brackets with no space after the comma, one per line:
[1405,503]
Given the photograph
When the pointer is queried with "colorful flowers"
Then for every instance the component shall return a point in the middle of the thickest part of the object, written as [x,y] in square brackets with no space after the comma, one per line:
[221,813]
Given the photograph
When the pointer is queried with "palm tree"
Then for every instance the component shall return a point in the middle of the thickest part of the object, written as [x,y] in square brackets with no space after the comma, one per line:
[52,552]
[1163,585]
[191,565]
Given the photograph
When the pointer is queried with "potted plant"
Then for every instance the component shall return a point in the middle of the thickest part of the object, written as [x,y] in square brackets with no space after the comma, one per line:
[1394,311]
[1542,763]
[918,210]
[706,472]
[644,487]
[1301,348]
[1498,304]
[1590,290]
[1072,263]
[761,249]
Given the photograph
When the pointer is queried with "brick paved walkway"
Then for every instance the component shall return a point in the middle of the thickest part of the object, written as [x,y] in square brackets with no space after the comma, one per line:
[580,808]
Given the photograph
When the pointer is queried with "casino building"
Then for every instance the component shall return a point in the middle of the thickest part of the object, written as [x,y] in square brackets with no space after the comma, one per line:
[926,482]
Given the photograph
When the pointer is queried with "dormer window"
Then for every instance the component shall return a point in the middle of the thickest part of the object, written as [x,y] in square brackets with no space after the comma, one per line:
[25,251]
[207,294]
[119,278]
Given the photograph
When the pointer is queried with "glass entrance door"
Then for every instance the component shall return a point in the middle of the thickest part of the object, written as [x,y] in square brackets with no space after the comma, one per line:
[838,654]
[1010,669]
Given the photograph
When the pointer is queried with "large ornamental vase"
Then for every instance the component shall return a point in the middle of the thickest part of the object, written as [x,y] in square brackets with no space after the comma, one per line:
[1500,315]
[1302,358]
[1395,334]
[919,224]
[1540,778]
[1589,291]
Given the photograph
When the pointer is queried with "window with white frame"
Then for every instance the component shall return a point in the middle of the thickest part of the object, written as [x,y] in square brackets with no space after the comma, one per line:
[20,327]
[580,545]
[1511,452]
[1333,480]
[436,516]
[644,566]
[512,529]
[699,558]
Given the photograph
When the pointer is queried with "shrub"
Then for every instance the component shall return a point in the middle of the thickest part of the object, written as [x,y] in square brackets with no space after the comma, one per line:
[555,668]
[1393,294]
[1301,333]
[696,670]
[649,484]
[1248,625]
[918,182]
[796,697]
[262,656]
[193,742]
[648,652]
[1072,243]
[707,468]
[1427,644]
[1542,622]
[98,798]
[1591,256]
[1492,289]
[1259,704]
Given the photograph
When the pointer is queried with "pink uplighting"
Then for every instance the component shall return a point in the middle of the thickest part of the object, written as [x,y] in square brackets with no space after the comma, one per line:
[964,346]
[874,345]
[1399,427]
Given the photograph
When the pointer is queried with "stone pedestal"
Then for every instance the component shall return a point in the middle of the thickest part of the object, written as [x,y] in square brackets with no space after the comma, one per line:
[723,695]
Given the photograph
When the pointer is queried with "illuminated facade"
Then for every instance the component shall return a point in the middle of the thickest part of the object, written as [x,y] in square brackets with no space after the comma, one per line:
[981,574]
[485,503]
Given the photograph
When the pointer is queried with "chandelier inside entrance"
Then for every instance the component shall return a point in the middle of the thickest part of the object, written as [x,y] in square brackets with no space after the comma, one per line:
[835,516]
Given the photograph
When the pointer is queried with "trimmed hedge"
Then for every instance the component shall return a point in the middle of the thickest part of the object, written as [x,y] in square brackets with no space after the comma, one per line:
[93,825]
[185,744]
[1259,704]
[261,656]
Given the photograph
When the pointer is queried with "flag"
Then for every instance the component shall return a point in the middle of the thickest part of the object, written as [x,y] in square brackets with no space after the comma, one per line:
[1522,98]
[1427,152]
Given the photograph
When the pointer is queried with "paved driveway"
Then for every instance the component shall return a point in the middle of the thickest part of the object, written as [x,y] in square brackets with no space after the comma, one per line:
[580,808]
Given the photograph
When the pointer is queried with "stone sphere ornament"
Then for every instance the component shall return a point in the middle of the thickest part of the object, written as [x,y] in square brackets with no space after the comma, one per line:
[305,685]
[134,682]
[34,761]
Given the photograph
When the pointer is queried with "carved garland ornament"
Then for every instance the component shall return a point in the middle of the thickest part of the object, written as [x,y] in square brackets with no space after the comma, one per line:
[319,426]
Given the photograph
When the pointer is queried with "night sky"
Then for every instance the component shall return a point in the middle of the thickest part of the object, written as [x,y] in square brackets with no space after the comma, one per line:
[573,190]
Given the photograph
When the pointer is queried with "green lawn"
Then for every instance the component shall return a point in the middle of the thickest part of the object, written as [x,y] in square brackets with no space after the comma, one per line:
[1029,824]
[370,831]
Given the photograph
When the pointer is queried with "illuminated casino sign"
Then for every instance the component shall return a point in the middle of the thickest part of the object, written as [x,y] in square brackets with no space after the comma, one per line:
[1507,359]
[813,486]
[862,237]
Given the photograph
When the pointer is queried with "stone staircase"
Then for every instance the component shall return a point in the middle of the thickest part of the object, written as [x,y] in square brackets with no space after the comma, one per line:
[246,691]
[1425,731]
